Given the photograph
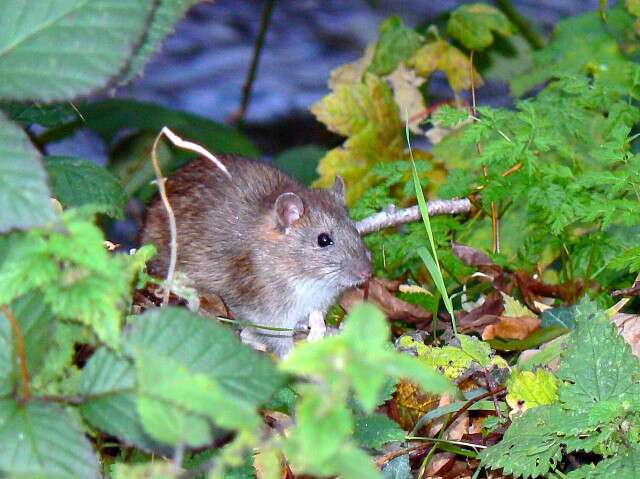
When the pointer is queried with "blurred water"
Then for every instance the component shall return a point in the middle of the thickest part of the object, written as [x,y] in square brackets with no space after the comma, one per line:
[203,66]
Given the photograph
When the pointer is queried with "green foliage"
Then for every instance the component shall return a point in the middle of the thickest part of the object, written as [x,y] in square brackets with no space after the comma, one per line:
[474,25]
[396,44]
[73,272]
[372,431]
[300,162]
[599,386]
[43,440]
[104,29]
[77,182]
[24,196]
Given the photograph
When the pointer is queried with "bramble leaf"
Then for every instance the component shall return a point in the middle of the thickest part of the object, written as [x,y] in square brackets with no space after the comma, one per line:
[442,56]
[395,45]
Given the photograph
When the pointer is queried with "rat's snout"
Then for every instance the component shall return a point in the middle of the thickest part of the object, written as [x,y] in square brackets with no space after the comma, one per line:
[364,269]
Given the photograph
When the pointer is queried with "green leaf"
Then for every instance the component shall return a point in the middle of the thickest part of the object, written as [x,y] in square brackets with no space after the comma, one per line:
[563,316]
[621,466]
[474,25]
[361,356]
[449,116]
[29,113]
[206,347]
[110,117]
[530,447]
[78,182]
[75,274]
[24,196]
[41,440]
[36,326]
[396,44]
[109,384]
[63,50]
[598,364]
[301,162]
[375,430]
[177,406]
[165,17]
[147,470]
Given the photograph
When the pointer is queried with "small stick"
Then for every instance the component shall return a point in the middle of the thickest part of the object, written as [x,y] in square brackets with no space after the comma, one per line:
[257,49]
[160,180]
[20,351]
[394,217]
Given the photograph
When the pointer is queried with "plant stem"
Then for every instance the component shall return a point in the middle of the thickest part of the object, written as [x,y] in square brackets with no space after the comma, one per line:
[257,49]
[521,23]
[20,351]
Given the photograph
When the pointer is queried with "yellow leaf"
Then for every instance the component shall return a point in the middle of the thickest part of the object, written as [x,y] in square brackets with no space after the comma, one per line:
[442,56]
[528,389]
[514,308]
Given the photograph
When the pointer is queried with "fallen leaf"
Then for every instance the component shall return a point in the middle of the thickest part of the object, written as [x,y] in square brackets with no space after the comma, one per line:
[405,85]
[511,328]
[629,327]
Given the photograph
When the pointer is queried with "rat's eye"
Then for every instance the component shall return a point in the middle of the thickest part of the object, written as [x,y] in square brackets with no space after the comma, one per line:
[324,240]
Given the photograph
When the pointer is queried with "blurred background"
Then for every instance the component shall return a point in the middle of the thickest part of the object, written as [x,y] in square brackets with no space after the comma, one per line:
[203,66]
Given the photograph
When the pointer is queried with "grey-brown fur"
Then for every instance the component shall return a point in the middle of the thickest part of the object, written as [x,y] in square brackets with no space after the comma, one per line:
[232,242]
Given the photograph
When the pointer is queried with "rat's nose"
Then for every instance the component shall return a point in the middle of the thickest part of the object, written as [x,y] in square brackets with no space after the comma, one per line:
[363,273]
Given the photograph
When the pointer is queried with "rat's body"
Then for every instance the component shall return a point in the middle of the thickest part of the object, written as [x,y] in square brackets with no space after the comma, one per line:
[273,250]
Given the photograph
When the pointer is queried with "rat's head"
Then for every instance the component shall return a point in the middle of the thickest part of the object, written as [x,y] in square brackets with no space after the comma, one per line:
[318,239]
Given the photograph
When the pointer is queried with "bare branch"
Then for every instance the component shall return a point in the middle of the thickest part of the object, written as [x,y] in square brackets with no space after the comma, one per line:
[394,217]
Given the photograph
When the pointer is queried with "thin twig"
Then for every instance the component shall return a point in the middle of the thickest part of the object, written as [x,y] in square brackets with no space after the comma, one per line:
[471,402]
[160,180]
[395,217]
[253,68]
[20,351]
[382,460]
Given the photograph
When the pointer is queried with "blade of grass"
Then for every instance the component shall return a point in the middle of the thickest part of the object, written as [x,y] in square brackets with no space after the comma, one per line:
[430,261]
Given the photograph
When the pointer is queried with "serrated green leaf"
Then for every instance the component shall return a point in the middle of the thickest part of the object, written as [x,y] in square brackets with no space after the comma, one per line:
[530,447]
[598,364]
[395,44]
[622,466]
[474,25]
[78,182]
[373,431]
[41,440]
[479,351]
[165,17]
[560,316]
[109,384]
[24,196]
[105,33]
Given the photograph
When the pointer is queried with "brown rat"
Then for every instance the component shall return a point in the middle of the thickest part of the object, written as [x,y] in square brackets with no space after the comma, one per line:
[272,249]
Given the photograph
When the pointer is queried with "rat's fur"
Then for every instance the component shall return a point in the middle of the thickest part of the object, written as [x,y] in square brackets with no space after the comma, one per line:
[232,242]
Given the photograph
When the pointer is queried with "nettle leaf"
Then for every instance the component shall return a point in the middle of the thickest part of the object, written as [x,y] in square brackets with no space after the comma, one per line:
[108,382]
[598,364]
[78,182]
[395,44]
[24,196]
[530,447]
[37,327]
[373,431]
[165,17]
[105,33]
[398,468]
[42,440]
[622,466]
[474,25]
[442,56]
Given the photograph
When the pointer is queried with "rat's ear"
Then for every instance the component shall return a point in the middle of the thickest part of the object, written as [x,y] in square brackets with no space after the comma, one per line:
[338,188]
[289,209]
